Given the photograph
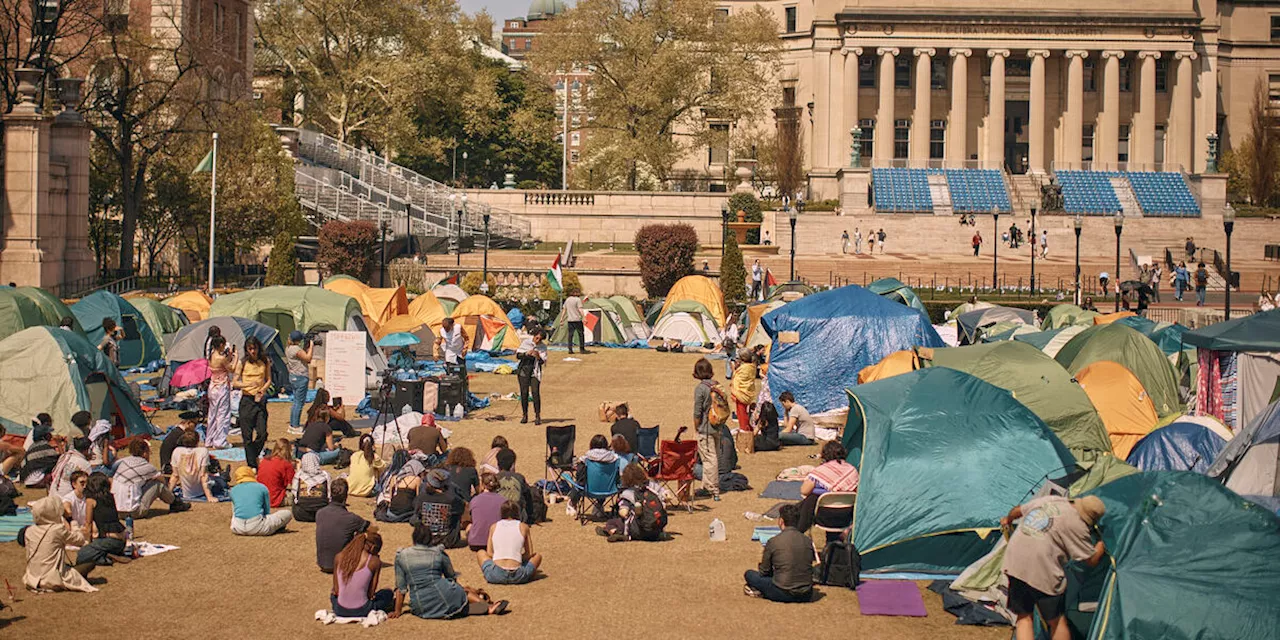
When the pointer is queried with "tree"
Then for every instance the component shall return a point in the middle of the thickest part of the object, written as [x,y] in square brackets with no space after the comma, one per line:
[1260,151]
[666,255]
[789,155]
[660,69]
[471,284]
[733,273]
[282,267]
[171,204]
[750,206]
[43,35]
[347,248]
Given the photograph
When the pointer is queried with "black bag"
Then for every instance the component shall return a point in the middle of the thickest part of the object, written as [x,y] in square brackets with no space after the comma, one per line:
[538,510]
[841,565]
[649,517]
[344,458]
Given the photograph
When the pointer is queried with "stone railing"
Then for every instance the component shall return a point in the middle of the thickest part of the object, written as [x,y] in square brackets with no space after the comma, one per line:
[560,198]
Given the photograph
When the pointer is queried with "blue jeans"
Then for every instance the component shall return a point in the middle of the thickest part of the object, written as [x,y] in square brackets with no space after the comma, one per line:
[298,385]
[327,457]
[383,600]
[770,591]
[1200,296]
[493,574]
[793,438]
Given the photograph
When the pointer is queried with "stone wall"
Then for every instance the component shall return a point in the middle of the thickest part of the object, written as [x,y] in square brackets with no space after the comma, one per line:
[583,216]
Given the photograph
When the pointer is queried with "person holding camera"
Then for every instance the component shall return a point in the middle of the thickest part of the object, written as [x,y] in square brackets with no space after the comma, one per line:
[532,355]
[222,363]
[296,359]
[110,343]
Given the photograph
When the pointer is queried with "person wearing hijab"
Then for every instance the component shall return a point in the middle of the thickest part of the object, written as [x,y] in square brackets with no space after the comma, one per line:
[48,567]
[251,507]
[75,459]
[310,488]
[102,456]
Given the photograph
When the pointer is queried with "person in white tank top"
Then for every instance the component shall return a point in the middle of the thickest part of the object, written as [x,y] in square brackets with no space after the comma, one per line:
[508,557]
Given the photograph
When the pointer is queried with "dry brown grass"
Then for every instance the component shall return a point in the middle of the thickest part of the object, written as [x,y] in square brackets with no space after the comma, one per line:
[220,585]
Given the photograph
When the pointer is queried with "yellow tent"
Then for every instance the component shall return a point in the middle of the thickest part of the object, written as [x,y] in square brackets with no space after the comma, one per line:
[377,305]
[1125,407]
[896,363]
[428,310]
[1108,318]
[410,324]
[756,335]
[699,289]
[195,304]
[475,310]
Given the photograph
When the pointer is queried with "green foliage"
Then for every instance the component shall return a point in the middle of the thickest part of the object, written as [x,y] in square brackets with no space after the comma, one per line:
[347,248]
[572,286]
[471,284]
[666,255]
[282,266]
[750,205]
[733,273]
[529,185]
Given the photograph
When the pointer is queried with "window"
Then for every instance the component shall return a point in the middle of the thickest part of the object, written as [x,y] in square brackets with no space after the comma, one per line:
[901,139]
[938,74]
[790,13]
[1162,75]
[560,84]
[577,119]
[788,96]
[235,36]
[1273,89]
[1275,28]
[868,127]
[902,72]
[218,17]
[1160,143]
[1126,75]
[1089,82]
[1086,142]
[937,139]
[867,72]
[573,157]
[1017,68]
[45,17]
[116,18]
[718,150]
[721,16]
[1123,149]
[512,43]
[528,43]
[575,138]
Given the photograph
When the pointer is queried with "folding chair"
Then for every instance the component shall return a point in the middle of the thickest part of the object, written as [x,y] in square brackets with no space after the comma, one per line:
[646,441]
[601,489]
[838,506]
[675,465]
[560,442]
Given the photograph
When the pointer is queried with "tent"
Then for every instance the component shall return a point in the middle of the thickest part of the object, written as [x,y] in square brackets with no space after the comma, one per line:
[689,322]
[700,289]
[754,334]
[1166,335]
[1051,341]
[1122,402]
[162,319]
[378,305]
[894,364]
[140,344]
[893,289]
[449,296]
[966,307]
[655,309]
[1067,315]
[632,316]
[194,303]
[411,324]
[1183,445]
[1004,331]
[487,323]
[971,323]
[822,341]
[1108,318]
[1188,559]
[942,456]
[17,312]
[1250,463]
[46,369]
[188,344]
[428,310]
[52,308]
[601,324]
[1119,343]
[1239,362]
[789,291]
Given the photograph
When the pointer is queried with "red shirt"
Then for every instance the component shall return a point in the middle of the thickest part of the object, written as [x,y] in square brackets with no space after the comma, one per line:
[277,475]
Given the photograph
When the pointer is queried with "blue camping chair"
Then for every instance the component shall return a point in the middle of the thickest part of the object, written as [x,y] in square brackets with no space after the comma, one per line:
[647,442]
[601,489]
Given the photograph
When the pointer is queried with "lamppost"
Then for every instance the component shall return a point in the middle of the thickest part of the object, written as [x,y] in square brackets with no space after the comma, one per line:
[1033,248]
[1228,225]
[995,252]
[382,269]
[484,279]
[464,167]
[724,230]
[792,214]
[460,204]
[1078,223]
[1119,220]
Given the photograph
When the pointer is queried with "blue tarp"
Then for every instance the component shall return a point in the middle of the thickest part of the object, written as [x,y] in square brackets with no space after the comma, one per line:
[516,316]
[1181,446]
[837,333]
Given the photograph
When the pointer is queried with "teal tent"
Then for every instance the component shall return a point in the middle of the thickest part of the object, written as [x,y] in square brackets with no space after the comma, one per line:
[1258,332]
[1166,335]
[943,455]
[893,289]
[139,345]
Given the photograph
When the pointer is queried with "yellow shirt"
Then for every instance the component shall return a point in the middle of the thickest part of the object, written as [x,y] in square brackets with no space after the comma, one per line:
[254,378]
[743,385]
[363,475]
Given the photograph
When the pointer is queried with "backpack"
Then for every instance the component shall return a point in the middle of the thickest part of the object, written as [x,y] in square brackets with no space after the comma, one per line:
[509,487]
[719,412]
[649,517]
[840,565]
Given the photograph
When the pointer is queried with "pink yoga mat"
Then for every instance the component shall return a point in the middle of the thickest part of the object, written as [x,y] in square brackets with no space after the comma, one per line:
[890,598]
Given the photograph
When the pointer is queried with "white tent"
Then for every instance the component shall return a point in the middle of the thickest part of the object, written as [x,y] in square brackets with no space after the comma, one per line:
[687,327]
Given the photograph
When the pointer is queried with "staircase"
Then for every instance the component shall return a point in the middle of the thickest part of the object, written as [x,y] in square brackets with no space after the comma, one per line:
[941,195]
[1124,193]
[1024,190]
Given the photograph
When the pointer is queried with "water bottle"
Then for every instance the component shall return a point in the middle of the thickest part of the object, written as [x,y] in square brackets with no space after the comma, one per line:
[457,411]
[716,531]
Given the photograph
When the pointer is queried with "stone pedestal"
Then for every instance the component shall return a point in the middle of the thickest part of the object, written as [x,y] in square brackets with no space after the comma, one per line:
[855,191]
[746,169]
[70,139]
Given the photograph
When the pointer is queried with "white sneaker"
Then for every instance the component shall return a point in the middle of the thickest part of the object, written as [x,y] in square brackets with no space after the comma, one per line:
[295,431]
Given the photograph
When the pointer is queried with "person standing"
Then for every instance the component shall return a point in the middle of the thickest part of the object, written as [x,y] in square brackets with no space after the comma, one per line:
[573,316]
[757,277]
[214,332]
[532,356]
[976,241]
[1191,248]
[857,241]
[744,389]
[708,431]
[296,360]
[844,242]
[1202,283]
[1044,243]
[730,345]
[881,236]
[1103,279]
[110,343]
[253,378]
[1156,274]
[222,363]
[452,345]
[1180,280]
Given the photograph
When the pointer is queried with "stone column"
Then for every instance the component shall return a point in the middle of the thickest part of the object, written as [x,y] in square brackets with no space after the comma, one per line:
[26,186]
[821,106]
[1143,135]
[837,134]
[1073,116]
[850,101]
[920,116]
[1206,108]
[1106,142]
[995,110]
[883,143]
[1036,123]
[70,143]
[1182,127]
[958,127]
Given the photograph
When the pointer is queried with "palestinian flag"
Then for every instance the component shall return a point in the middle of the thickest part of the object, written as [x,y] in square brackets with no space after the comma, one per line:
[492,332]
[769,280]
[554,276]
[453,279]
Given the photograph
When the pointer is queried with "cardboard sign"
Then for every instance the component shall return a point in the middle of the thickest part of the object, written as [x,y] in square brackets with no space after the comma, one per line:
[788,337]
[344,364]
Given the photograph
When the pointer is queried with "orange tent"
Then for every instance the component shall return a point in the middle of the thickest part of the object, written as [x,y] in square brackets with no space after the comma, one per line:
[1126,408]
[194,304]
[481,312]
[699,289]
[1108,318]
[896,363]
[428,310]
[377,305]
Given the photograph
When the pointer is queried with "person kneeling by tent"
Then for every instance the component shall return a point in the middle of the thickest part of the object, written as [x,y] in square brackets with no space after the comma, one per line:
[1052,531]
[786,569]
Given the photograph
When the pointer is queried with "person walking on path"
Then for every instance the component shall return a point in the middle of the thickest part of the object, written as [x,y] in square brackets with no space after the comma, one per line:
[708,426]
[844,242]
[297,360]
[1044,244]
[573,315]
[757,278]
[881,235]
[532,355]
[1202,283]
[1180,280]
[1191,248]
[1156,273]
[976,241]
[857,241]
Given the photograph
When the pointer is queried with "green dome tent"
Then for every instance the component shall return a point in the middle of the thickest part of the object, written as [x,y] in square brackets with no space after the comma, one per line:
[162,318]
[47,369]
[971,324]
[688,321]
[1050,341]
[17,312]
[287,308]
[140,344]
[53,308]
[602,324]
[631,316]
[1121,344]
[1067,315]
[893,289]
[943,455]
[1038,382]
[1004,331]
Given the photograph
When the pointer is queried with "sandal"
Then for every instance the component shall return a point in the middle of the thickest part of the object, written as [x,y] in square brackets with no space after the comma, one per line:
[499,608]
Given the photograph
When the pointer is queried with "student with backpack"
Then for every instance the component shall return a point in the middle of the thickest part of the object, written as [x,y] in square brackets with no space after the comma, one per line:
[641,514]
[786,568]
[710,412]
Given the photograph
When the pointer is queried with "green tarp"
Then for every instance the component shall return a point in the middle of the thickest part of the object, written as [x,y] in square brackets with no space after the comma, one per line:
[942,455]
[1066,315]
[1039,383]
[1258,332]
[140,344]
[47,369]
[1121,344]
[893,289]
[287,308]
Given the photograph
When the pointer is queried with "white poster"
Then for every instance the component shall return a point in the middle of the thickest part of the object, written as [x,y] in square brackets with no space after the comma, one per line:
[344,362]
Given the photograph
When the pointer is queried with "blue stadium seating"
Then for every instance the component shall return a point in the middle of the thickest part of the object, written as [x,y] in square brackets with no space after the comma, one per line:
[976,190]
[1163,194]
[1088,192]
[896,190]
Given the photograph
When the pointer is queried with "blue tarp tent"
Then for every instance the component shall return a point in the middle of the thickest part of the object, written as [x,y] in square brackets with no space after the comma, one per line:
[1183,445]
[516,316]
[822,341]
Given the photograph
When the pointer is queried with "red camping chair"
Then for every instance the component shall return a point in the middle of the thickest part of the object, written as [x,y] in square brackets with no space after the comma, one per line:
[675,465]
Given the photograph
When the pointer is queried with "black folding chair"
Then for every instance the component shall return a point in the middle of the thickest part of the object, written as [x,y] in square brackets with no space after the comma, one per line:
[647,442]
[559,451]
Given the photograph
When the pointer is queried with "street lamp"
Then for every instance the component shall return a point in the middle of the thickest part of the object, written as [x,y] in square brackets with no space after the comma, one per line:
[383,268]
[1033,249]
[724,230]
[1078,223]
[792,214]
[995,253]
[1119,220]
[1228,225]
[484,279]
[460,205]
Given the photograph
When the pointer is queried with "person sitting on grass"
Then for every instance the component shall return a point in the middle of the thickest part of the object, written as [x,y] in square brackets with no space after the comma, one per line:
[103,529]
[356,570]
[336,414]
[137,484]
[311,489]
[786,568]
[191,470]
[335,527]
[10,454]
[425,578]
[42,456]
[490,462]
[75,459]
[768,436]
[461,465]
[800,427]
[317,436]
[632,483]
[834,474]
[251,507]
[486,509]
[508,557]
[513,486]
[173,439]
[48,567]
[365,468]
[1052,530]
[438,505]
[427,441]
[102,455]
[275,472]
[73,503]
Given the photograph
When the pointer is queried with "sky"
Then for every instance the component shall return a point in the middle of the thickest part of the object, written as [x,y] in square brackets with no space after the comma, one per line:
[499,9]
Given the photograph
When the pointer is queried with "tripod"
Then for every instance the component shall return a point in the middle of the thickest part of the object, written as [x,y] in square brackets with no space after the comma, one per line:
[387,414]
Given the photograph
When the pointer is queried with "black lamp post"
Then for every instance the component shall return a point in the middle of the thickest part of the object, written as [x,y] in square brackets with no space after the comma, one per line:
[724,230]
[995,252]
[1119,220]
[1033,251]
[792,214]
[408,231]
[1078,223]
[1228,225]
[382,269]
[484,280]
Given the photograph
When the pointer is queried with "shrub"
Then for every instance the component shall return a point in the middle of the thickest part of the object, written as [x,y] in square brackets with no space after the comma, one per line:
[282,266]
[471,284]
[529,185]
[666,255]
[572,286]
[348,248]
[733,274]
[748,204]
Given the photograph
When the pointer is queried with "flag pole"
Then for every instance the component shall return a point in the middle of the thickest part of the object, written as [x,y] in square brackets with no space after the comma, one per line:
[213,204]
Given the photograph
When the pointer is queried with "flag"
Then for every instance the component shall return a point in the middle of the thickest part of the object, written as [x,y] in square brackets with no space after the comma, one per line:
[554,277]
[206,165]
[769,280]
[453,279]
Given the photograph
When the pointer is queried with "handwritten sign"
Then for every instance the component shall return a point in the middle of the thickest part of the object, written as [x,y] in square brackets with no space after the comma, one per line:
[344,361]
